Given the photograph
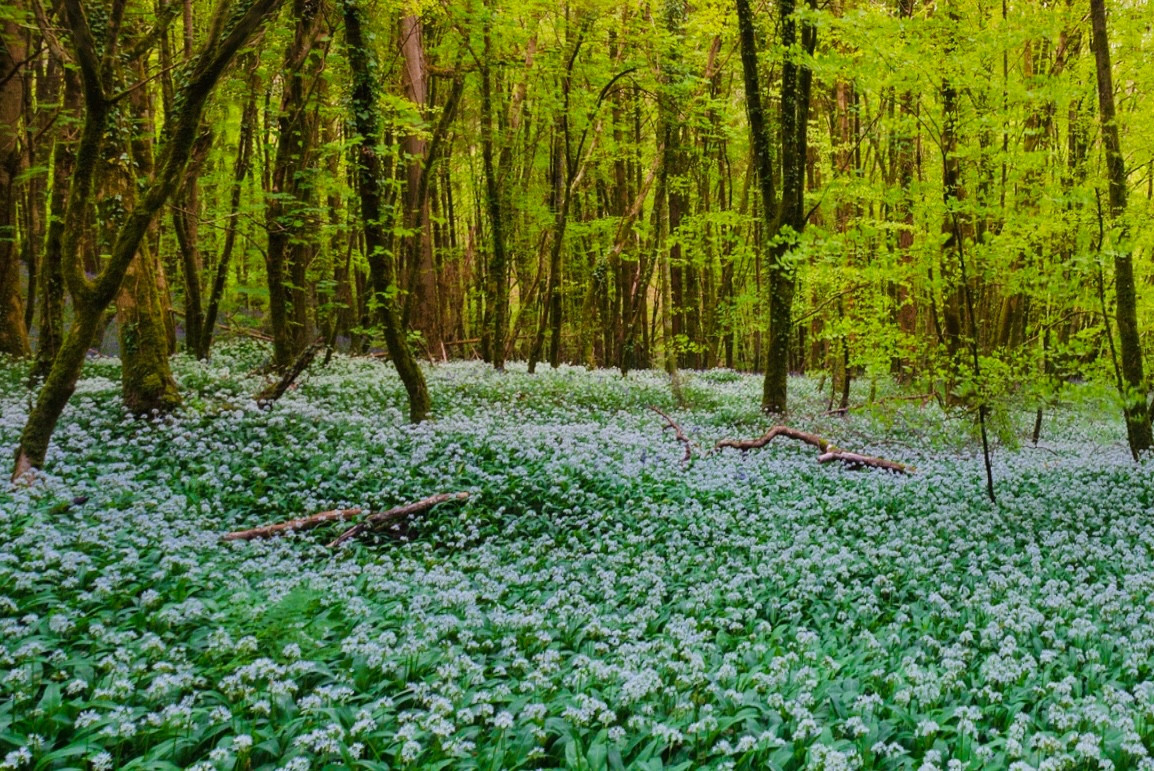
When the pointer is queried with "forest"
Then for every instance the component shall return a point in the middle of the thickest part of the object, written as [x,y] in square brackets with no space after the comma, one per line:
[501,384]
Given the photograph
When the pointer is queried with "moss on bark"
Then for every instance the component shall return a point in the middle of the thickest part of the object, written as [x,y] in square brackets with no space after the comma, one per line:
[146,377]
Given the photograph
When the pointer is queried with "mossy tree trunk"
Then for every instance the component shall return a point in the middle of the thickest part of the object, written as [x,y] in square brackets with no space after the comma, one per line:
[499,266]
[784,220]
[146,377]
[291,208]
[366,120]
[51,274]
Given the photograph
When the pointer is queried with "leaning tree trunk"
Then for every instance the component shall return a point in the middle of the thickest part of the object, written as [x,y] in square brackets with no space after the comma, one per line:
[230,30]
[371,179]
[1137,414]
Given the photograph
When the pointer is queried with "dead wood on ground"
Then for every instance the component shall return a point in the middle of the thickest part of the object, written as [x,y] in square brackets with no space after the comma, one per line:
[373,522]
[379,520]
[681,437]
[829,451]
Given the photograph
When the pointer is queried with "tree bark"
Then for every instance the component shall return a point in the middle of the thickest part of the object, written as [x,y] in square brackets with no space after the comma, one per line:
[498,268]
[952,196]
[51,274]
[13,332]
[422,309]
[781,229]
[1138,430]
[370,181]
[146,378]
[289,210]
[240,170]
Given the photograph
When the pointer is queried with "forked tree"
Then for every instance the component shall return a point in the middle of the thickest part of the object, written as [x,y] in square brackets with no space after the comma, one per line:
[230,29]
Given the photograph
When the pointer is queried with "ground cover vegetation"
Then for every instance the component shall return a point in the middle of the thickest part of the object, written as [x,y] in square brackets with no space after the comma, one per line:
[597,602]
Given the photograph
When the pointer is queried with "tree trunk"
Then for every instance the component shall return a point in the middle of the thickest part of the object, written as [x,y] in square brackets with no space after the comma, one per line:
[370,178]
[559,201]
[186,226]
[422,306]
[904,151]
[669,349]
[782,230]
[239,172]
[290,208]
[1138,430]
[13,332]
[51,275]
[952,195]
[146,377]
[498,268]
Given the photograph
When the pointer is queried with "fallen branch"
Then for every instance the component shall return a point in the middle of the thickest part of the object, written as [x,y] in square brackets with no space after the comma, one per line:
[829,452]
[681,437]
[274,391]
[303,523]
[372,522]
[377,521]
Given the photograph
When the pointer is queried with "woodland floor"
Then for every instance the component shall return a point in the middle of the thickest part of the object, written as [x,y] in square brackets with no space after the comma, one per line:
[595,603]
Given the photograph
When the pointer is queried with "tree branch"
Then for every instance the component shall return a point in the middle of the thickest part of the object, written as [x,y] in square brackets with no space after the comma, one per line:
[681,437]
[829,452]
[378,521]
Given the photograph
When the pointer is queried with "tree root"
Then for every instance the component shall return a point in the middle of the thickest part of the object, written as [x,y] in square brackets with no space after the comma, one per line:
[681,437]
[372,522]
[829,452]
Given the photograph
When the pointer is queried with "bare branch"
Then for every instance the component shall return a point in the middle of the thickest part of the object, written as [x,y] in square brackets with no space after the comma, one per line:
[681,437]
[378,521]
[829,452]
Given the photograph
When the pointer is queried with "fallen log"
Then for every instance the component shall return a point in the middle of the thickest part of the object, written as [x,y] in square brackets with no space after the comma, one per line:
[379,520]
[681,437]
[302,523]
[372,522]
[829,452]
